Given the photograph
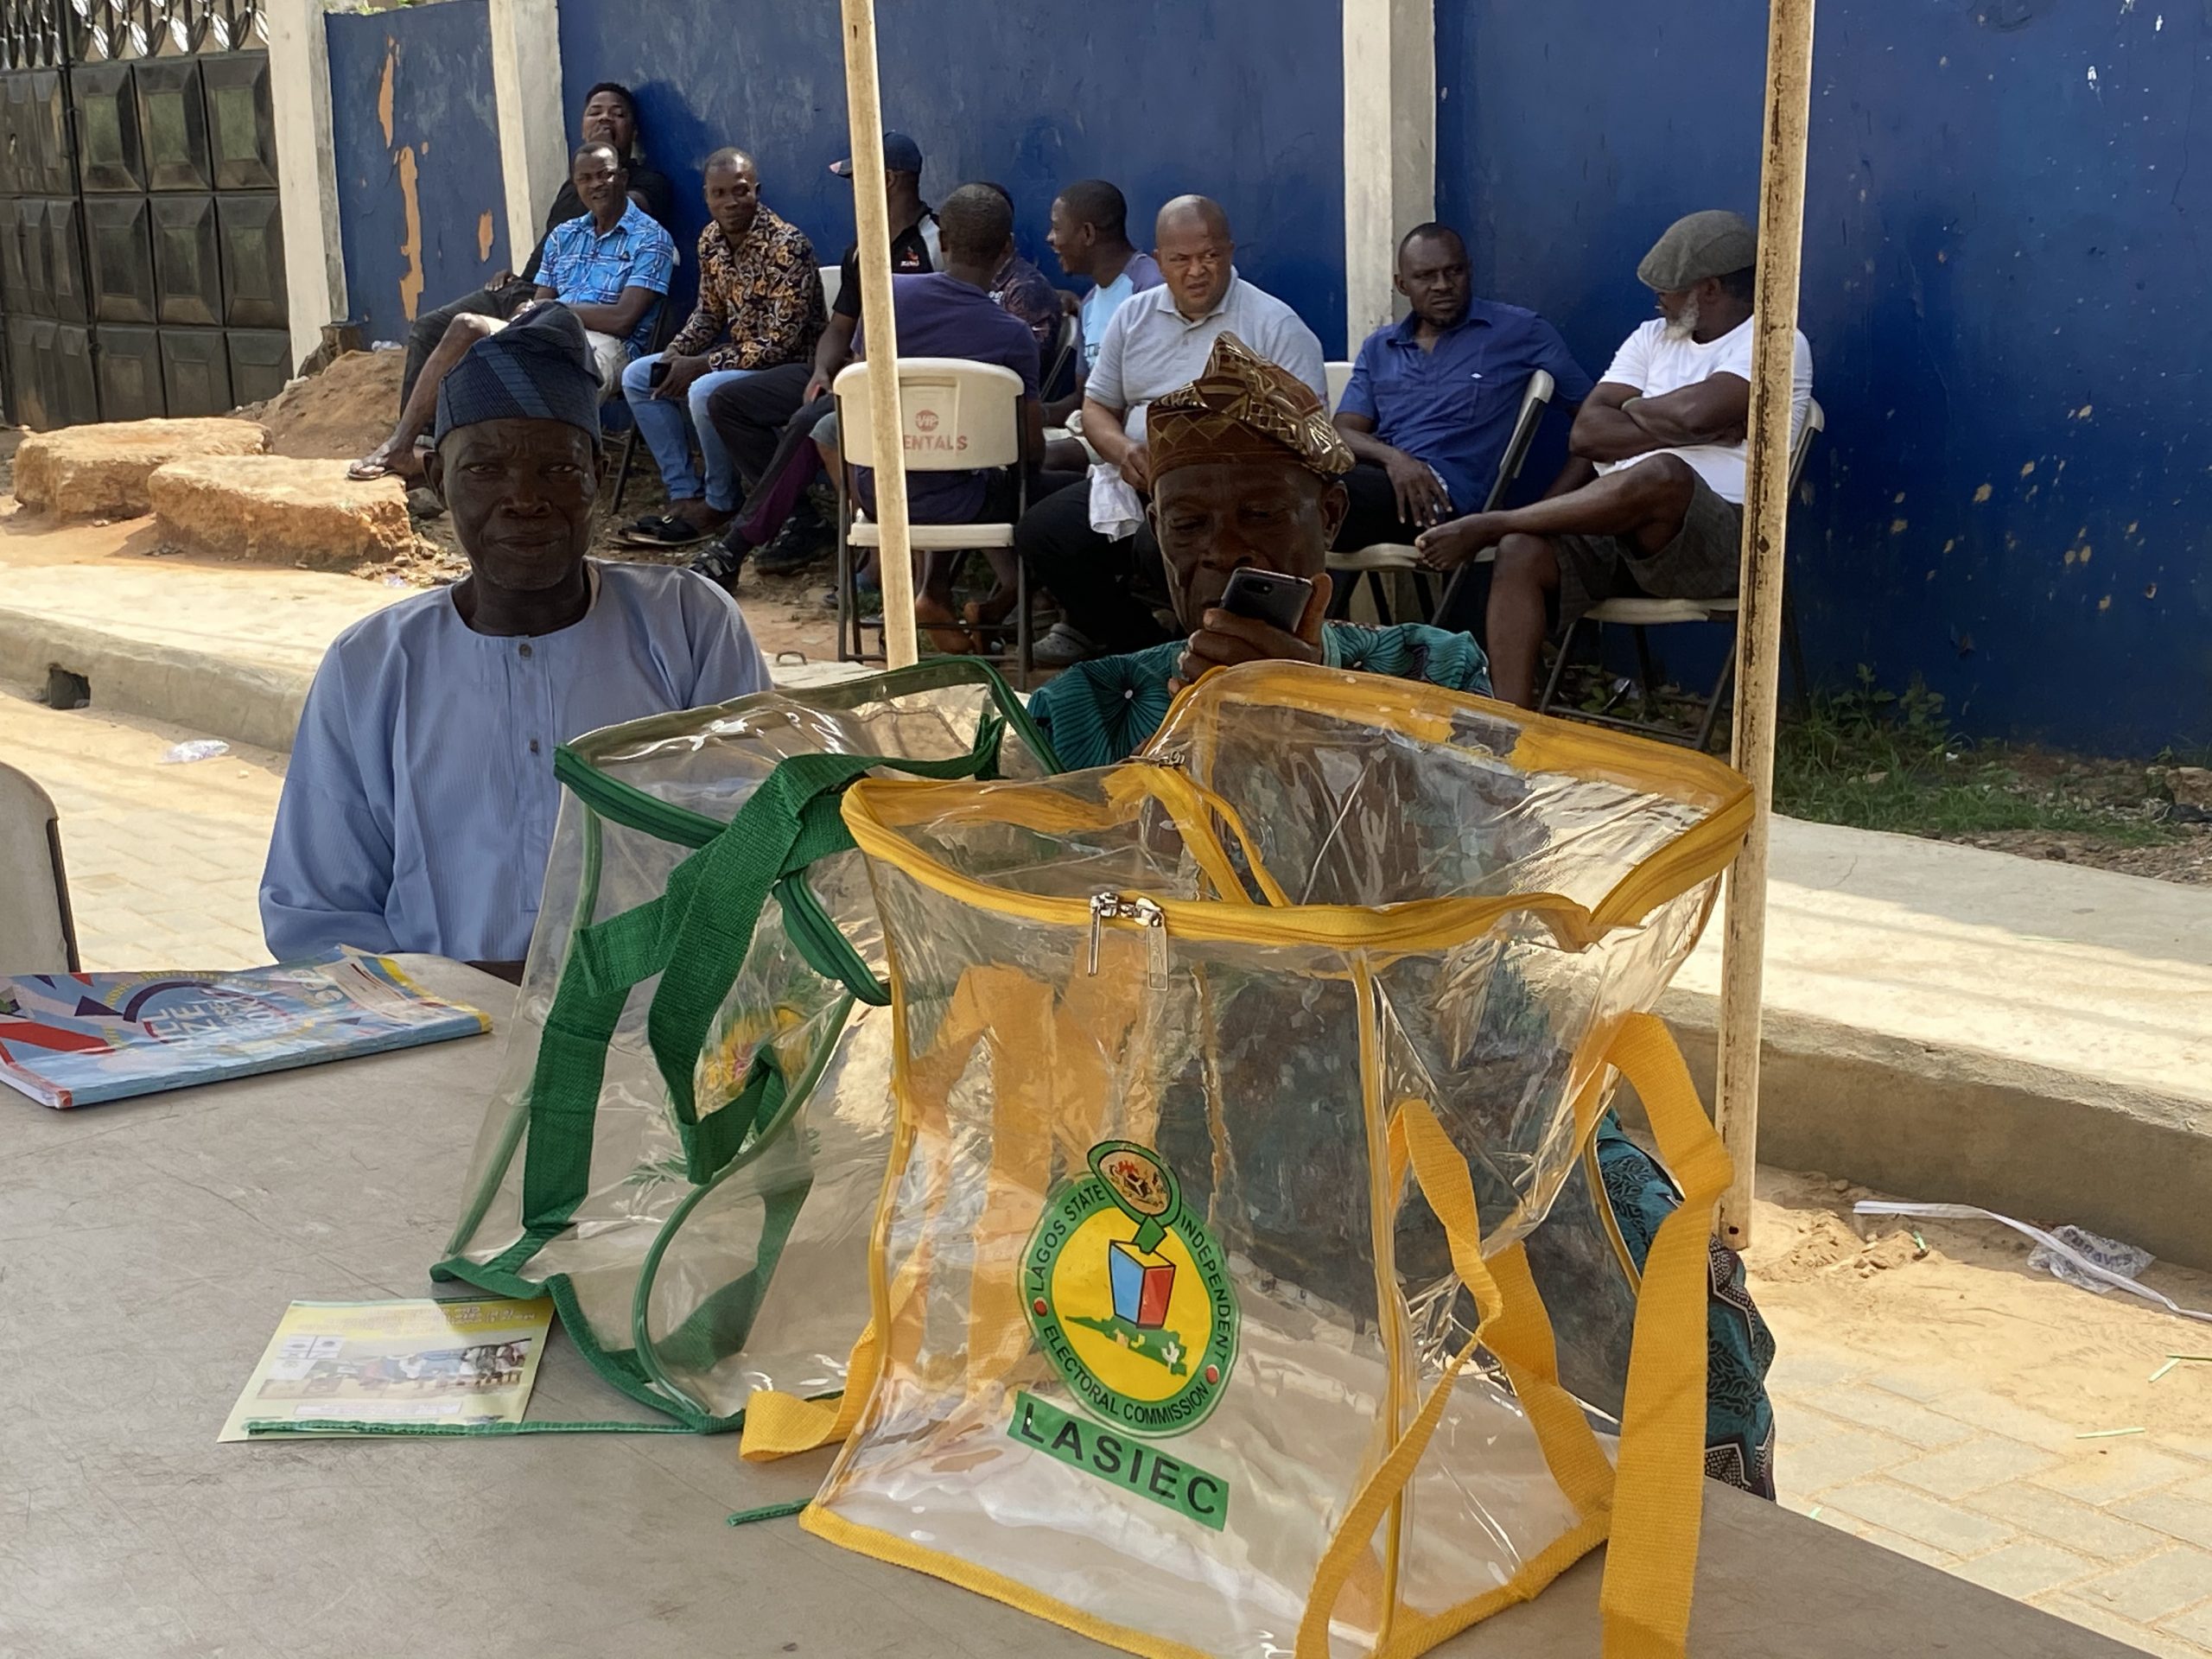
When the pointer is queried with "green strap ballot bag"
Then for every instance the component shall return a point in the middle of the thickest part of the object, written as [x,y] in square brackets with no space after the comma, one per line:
[694,1116]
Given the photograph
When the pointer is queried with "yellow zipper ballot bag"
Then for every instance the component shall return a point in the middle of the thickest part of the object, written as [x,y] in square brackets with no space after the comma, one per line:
[1236,1088]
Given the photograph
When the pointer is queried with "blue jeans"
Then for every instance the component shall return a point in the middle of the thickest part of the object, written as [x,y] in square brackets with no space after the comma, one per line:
[668,432]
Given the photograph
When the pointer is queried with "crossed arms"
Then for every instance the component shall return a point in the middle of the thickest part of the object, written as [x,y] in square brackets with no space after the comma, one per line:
[1618,422]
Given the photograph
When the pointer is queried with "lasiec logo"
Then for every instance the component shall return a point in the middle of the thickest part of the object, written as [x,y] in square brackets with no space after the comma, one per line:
[1129,1297]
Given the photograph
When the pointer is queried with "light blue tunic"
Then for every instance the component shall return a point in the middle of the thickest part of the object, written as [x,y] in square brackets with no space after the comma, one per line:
[419,810]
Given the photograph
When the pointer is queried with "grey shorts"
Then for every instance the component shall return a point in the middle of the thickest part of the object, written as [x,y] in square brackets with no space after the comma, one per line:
[1703,561]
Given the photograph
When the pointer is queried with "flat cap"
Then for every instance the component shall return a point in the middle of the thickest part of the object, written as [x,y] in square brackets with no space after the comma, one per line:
[1710,244]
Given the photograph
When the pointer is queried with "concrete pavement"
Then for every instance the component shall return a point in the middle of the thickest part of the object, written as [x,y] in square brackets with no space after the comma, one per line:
[163,860]
[2114,1534]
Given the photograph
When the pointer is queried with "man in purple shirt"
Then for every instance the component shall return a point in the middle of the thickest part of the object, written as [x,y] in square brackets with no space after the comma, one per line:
[1432,399]
[952,312]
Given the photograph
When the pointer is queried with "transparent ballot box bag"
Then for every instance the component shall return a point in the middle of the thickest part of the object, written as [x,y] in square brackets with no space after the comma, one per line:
[1237,1288]
[689,1137]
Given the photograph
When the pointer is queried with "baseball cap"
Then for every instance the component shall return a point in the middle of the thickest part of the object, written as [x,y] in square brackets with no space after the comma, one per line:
[900,155]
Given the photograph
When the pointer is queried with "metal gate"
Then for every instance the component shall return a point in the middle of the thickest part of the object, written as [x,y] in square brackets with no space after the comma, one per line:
[142,257]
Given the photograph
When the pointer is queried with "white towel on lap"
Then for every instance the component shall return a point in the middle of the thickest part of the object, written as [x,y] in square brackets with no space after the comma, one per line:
[1115,513]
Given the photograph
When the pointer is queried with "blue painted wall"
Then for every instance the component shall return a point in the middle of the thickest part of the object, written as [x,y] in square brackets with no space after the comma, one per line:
[417,149]
[2008,242]
[1239,99]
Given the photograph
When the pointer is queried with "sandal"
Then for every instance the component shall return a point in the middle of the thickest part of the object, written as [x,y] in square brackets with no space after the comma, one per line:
[364,470]
[943,629]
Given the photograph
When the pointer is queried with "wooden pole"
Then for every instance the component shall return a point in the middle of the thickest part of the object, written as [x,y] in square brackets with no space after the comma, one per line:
[872,216]
[1758,633]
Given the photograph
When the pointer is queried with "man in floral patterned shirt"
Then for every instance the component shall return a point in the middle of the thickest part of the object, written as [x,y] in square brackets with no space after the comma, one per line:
[761,305]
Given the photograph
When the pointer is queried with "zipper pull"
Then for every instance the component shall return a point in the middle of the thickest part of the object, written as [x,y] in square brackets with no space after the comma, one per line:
[1154,922]
[1174,757]
[1103,903]
[1107,906]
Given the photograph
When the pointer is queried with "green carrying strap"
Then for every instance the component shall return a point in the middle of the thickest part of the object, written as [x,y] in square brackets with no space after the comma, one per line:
[696,936]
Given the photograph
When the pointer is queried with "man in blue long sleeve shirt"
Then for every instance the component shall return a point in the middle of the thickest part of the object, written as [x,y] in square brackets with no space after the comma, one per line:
[419,806]
[1433,397]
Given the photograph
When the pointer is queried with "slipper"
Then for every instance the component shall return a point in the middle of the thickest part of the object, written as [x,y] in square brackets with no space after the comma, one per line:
[364,470]
[665,531]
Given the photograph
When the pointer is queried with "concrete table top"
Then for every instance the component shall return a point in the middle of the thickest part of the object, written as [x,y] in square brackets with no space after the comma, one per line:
[148,1247]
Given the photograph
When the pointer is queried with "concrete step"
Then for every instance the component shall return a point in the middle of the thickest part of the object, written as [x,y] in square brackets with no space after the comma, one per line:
[1949,1024]
[224,652]
[227,652]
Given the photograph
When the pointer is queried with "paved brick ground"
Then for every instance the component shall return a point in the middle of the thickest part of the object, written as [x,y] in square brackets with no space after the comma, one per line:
[2113,1534]
[164,861]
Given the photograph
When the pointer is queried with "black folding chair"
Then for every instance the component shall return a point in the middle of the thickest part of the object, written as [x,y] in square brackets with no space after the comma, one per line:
[1639,615]
[1373,565]
[663,331]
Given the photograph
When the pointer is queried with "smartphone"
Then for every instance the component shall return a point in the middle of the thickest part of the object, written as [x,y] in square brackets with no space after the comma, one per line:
[1268,596]
[657,373]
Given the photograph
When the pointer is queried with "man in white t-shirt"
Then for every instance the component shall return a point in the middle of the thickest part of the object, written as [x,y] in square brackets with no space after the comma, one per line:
[1658,507]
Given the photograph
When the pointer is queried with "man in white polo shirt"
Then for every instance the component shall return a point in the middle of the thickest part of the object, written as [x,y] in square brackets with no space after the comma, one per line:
[1159,339]
[1662,443]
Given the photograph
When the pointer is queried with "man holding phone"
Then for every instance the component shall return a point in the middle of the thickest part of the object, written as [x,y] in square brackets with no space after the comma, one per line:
[1247,492]
[1248,489]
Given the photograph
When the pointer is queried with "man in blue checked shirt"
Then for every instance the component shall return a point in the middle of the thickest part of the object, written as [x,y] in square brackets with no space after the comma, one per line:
[1433,399]
[612,268]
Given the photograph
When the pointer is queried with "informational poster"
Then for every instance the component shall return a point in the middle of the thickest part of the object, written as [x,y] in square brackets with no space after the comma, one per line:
[77,1040]
[366,1368]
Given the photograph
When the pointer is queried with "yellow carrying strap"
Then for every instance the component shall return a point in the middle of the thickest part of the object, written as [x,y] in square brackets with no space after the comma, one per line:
[1444,1182]
[783,1424]
[1193,808]
[1519,1338]
[1658,1492]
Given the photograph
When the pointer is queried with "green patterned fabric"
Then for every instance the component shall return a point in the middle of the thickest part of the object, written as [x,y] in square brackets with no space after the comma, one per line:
[1098,714]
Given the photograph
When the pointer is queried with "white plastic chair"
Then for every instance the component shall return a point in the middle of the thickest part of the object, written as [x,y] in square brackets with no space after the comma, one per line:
[1638,613]
[37,933]
[956,416]
[1373,564]
[1336,376]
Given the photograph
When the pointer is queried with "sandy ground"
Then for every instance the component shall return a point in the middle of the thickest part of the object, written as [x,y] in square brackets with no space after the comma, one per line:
[342,413]
[1967,1307]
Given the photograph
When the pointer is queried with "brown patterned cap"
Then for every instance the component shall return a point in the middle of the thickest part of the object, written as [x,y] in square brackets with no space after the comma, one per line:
[1243,408]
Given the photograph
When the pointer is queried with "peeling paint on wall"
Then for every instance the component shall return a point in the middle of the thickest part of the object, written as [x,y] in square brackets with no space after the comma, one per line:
[411,241]
[415,137]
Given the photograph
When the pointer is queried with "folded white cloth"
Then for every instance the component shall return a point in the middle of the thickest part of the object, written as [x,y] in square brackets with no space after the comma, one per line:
[1115,513]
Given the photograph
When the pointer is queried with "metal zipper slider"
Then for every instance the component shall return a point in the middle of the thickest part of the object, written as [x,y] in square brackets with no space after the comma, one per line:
[1174,756]
[1103,903]
[1154,921]
[1107,905]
